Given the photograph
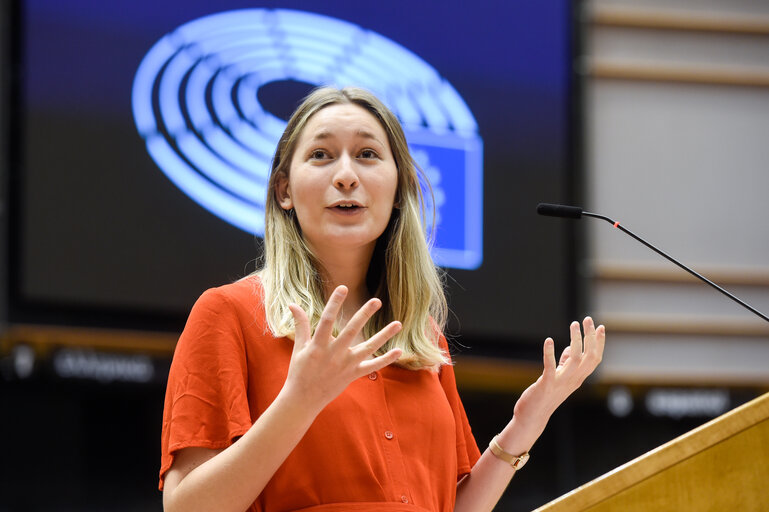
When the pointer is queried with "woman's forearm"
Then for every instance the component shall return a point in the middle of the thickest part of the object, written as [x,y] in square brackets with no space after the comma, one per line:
[233,479]
[481,489]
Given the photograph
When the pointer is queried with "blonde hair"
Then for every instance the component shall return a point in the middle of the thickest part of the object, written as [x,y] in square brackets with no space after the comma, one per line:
[401,272]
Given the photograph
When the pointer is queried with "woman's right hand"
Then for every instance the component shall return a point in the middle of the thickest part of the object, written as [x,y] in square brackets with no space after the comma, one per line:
[322,365]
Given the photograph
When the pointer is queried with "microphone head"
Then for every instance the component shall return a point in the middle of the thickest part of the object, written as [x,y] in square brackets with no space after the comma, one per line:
[559,210]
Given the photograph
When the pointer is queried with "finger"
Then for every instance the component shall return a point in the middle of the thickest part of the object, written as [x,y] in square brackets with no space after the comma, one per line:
[589,326]
[590,340]
[564,356]
[548,358]
[376,364]
[358,320]
[600,342]
[576,340]
[368,347]
[301,326]
[589,329]
[329,315]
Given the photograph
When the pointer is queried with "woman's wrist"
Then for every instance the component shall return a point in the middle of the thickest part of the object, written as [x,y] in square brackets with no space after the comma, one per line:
[297,404]
[519,435]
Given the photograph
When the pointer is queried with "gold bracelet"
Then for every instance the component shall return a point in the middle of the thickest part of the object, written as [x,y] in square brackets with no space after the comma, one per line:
[516,461]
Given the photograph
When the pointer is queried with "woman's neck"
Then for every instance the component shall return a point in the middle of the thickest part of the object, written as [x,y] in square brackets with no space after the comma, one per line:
[348,268]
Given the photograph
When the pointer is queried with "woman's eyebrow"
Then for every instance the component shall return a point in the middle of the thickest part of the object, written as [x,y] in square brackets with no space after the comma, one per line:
[323,134]
[329,134]
[368,135]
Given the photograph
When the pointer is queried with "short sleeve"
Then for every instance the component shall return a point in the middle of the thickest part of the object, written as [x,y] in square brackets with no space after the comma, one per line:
[206,404]
[467,449]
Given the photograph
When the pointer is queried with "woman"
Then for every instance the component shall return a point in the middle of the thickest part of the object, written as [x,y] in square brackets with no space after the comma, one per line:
[322,381]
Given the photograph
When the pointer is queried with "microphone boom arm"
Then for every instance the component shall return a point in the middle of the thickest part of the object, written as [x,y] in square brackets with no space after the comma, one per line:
[679,264]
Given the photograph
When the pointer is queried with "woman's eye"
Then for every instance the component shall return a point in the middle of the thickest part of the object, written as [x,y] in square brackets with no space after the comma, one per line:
[318,154]
[368,153]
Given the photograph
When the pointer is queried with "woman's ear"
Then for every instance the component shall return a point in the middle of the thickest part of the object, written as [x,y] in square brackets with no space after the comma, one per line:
[283,193]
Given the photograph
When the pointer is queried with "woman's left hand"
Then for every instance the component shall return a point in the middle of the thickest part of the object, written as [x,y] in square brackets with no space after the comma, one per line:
[541,399]
[482,489]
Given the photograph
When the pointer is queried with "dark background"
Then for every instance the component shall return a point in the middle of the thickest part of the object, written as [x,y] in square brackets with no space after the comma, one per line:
[97,226]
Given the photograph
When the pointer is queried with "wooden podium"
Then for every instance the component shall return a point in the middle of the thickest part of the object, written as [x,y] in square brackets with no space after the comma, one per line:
[721,466]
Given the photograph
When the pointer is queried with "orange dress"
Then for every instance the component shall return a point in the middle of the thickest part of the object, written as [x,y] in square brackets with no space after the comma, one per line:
[395,440]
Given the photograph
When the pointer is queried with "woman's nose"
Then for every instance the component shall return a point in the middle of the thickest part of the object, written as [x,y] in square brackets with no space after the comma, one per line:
[345,176]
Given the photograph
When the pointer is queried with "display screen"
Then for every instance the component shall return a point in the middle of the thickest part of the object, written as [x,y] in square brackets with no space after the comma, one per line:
[142,135]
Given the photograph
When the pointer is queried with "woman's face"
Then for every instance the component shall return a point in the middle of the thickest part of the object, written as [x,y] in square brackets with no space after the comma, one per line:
[342,180]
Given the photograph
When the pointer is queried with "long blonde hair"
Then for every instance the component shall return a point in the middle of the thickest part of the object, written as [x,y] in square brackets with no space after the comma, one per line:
[401,272]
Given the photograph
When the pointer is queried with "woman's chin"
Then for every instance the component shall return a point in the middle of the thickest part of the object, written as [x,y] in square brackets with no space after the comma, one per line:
[347,239]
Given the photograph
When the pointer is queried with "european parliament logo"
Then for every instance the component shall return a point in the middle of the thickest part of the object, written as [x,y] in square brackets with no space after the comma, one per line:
[195,103]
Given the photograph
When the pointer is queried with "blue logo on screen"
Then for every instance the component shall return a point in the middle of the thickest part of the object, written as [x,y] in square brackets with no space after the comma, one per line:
[195,103]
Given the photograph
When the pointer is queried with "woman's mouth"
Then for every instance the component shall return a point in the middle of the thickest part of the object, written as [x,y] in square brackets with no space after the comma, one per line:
[347,208]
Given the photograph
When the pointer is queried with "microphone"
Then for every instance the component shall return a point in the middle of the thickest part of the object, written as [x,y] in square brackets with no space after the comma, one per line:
[559,210]
[575,212]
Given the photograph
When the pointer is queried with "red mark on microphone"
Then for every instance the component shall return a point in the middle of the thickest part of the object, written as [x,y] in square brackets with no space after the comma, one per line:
[616,224]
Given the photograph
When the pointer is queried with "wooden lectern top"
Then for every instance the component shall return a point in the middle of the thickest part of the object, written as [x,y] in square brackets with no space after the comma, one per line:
[721,466]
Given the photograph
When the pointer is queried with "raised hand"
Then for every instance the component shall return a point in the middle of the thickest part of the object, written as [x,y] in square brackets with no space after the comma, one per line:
[322,365]
[541,399]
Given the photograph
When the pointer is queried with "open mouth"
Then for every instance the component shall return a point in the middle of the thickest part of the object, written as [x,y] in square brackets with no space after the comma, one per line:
[347,206]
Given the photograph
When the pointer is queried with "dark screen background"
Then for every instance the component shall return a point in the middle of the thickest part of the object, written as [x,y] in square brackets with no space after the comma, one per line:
[101,236]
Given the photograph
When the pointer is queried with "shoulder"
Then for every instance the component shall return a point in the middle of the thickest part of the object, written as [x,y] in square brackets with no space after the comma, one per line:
[246,293]
[248,288]
[231,309]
